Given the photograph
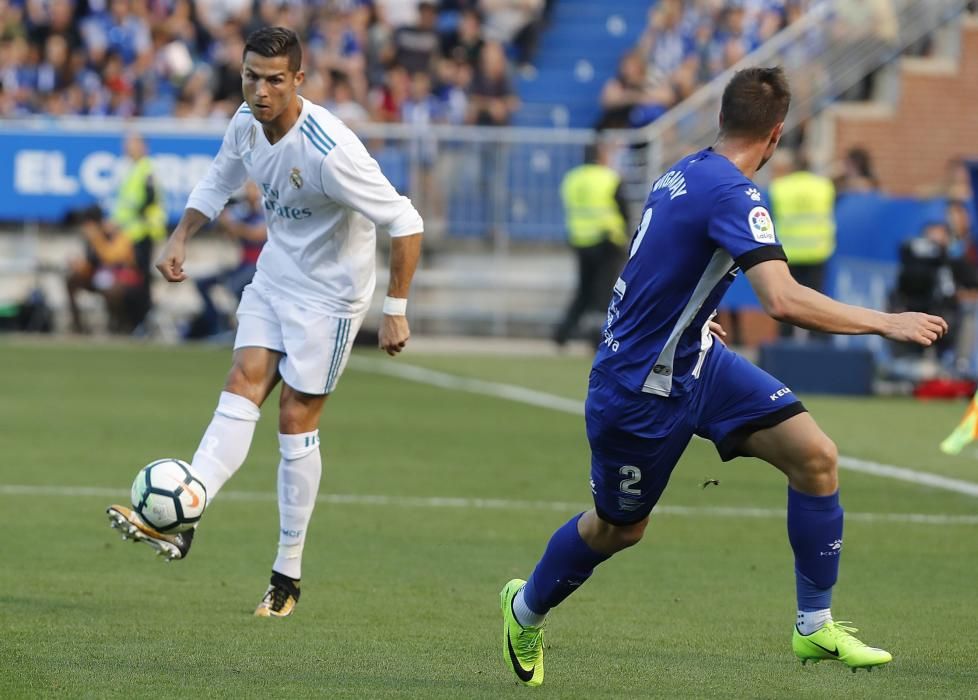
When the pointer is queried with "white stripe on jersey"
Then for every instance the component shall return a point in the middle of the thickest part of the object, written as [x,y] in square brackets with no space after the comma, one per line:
[659,380]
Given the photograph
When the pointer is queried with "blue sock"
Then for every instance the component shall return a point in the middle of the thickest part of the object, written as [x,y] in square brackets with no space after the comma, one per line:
[815,533]
[566,564]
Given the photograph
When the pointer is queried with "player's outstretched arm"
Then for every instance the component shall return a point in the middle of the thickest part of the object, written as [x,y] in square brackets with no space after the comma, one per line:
[170,260]
[786,300]
[394,330]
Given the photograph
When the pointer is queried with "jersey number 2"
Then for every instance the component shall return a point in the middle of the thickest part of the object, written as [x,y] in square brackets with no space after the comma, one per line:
[632,475]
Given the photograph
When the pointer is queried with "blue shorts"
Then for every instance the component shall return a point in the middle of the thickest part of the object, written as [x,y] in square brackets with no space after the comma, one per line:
[637,439]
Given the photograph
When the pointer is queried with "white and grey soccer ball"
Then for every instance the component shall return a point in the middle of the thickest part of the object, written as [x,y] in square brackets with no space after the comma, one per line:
[168,496]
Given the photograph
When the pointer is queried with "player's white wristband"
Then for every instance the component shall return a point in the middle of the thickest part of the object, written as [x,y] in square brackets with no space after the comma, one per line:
[394,306]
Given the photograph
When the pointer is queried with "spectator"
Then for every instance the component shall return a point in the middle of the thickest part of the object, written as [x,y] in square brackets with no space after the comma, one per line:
[398,13]
[344,106]
[389,98]
[492,100]
[666,44]
[454,81]
[515,22]
[374,35]
[108,269]
[226,79]
[630,99]
[596,215]
[415,47]
[119,31]
[867,32]
[420,111]
[963,251]
[335,49]
[244,224]
[214,15]
[464,44]
[930,280]
[139,213]
[957,181]
[963,242]
[54,74]
[856,173]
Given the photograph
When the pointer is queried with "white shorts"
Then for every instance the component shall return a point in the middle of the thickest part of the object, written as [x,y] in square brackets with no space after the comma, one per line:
[315,345]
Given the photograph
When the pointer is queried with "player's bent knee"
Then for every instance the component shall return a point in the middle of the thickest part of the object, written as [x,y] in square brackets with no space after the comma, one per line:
[612,538]
[823,457]
[631,535]
[818,473]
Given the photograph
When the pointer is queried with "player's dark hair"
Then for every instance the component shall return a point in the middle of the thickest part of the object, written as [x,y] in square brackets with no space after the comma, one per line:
[276,41]
[754,102]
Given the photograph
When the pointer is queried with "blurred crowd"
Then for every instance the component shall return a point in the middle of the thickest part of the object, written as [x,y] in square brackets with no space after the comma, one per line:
[420,61]
[686,44]
[377,60]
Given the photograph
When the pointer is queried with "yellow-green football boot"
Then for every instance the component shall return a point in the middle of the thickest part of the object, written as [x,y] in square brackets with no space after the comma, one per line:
[964,434]
[834,641]
[522,646]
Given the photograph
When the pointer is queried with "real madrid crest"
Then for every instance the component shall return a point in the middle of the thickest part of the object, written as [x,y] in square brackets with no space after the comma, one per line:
[295,177]
[253,134]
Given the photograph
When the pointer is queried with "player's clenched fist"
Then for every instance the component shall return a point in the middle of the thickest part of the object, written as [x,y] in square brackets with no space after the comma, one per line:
[915,327]
[170,260]
[394,334]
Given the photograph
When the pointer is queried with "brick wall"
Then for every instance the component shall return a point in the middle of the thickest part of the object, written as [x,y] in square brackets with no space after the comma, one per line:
[936,118]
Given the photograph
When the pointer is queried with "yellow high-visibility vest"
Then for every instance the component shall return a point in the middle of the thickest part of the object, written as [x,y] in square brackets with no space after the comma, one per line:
[134,215]
[803,206]
[592,214]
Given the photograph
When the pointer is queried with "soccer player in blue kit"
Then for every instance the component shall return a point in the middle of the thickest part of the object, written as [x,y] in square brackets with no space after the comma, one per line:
[659,378]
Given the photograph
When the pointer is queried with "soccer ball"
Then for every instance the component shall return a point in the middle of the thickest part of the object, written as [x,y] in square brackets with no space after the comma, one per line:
[168,496]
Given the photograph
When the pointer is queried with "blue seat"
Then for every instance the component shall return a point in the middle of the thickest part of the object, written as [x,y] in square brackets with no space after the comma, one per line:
[579,32]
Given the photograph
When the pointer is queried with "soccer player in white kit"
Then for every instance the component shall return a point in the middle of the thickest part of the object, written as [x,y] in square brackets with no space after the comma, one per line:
[323,196]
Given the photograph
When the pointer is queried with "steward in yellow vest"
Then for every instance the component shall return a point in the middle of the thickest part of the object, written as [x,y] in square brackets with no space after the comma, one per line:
[803,208]
[140,216]
[595,213]
[139,211]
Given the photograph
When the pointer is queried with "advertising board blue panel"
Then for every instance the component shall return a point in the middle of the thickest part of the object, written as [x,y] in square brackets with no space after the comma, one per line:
[45,174]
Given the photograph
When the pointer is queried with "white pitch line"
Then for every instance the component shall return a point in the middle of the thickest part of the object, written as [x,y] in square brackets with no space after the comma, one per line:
[520,394]
[432,377]
[491,504]
[903,474]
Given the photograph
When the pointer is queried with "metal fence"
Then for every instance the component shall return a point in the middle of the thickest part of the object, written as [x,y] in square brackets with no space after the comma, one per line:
[498,185]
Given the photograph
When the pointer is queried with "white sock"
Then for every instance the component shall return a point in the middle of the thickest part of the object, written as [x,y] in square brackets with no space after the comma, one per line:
[524,615]
[298,483]
[226,442]
[813,620]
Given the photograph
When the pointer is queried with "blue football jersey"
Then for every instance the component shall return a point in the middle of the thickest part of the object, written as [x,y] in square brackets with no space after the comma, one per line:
[703,222]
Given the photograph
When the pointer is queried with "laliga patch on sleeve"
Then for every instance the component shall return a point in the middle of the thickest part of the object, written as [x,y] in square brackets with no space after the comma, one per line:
[761,225]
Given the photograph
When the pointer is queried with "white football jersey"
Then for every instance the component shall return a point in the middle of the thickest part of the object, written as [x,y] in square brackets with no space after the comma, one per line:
[324,196]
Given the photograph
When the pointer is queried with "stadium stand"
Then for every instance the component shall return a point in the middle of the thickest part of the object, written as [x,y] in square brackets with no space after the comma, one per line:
[481,190]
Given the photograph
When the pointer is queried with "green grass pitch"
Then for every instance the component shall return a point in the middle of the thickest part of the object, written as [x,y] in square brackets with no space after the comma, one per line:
[400,594]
